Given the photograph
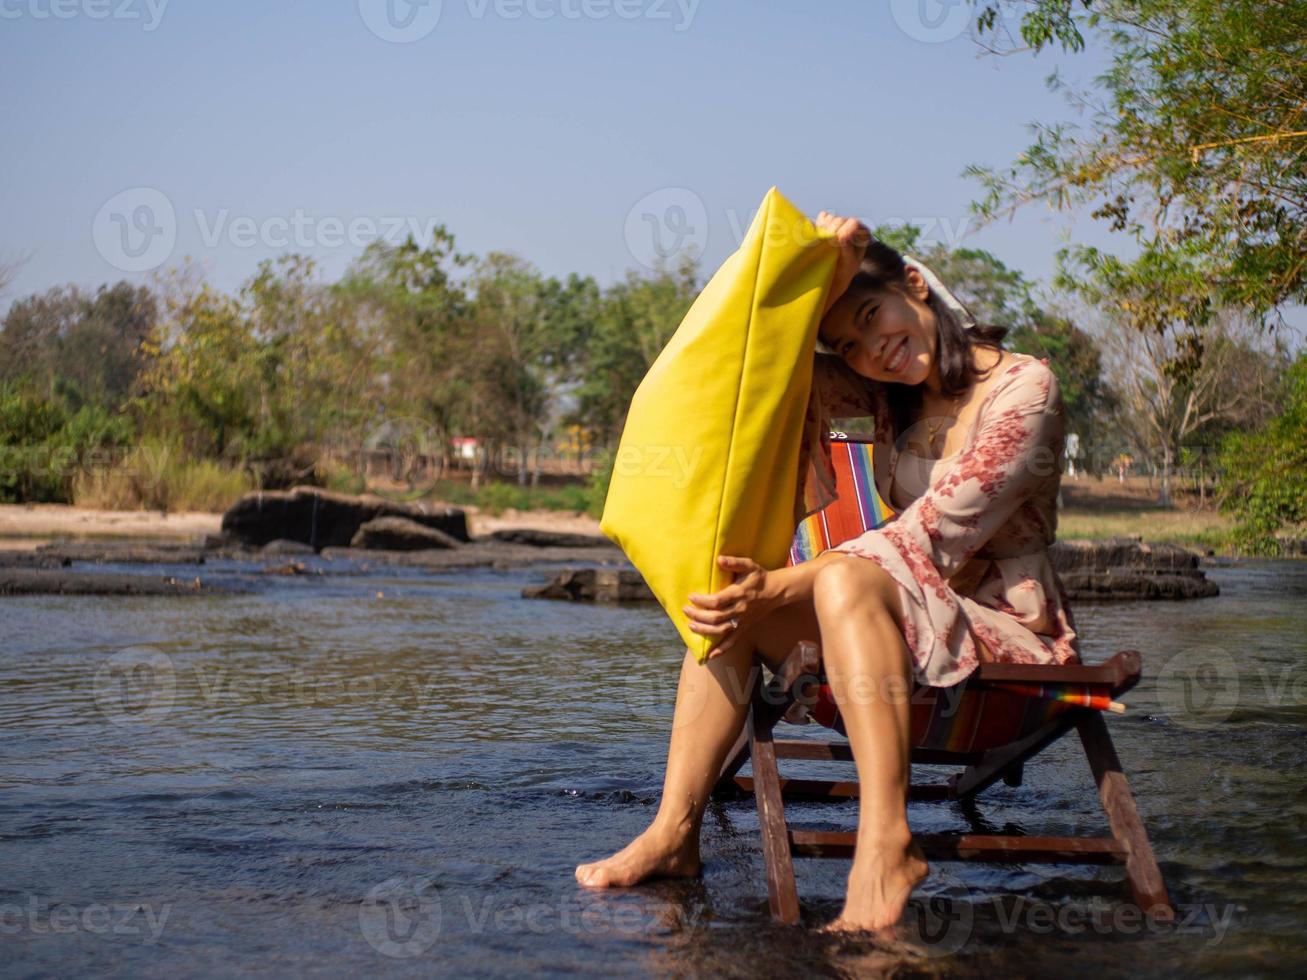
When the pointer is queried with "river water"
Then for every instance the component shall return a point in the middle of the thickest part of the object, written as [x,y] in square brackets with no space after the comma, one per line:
[394,774]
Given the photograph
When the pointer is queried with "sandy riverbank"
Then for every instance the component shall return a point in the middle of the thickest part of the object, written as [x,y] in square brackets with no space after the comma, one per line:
[23,526]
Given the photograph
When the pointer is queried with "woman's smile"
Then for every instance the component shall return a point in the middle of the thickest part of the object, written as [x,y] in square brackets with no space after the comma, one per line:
[897,358]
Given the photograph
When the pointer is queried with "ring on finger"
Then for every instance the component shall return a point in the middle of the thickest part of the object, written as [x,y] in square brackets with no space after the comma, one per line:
[735,623]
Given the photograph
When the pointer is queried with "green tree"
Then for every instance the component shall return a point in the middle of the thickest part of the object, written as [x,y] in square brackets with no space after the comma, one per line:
[80,348]
[414,316]
[515,358]
[203,386]
[1194,144]
[635,319]
[44,444]
[1265,471]
[1168,393]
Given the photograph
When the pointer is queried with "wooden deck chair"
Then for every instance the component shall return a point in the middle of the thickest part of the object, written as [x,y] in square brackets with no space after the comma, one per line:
[992,723]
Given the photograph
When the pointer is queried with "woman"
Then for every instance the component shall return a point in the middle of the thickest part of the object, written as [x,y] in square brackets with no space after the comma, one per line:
[969,440]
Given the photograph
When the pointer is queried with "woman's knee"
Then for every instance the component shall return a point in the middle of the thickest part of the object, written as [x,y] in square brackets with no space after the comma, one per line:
[852,584]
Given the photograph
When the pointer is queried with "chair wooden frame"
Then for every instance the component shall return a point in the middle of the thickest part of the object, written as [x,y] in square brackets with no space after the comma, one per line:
[1128,844]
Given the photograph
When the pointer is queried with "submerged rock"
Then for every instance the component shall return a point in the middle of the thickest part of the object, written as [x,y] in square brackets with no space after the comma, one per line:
[323,519]
[282,546]
[121,552]
[32,581]
[400,534]
[289,568]
[595,585]
[549,539]
[1123,568]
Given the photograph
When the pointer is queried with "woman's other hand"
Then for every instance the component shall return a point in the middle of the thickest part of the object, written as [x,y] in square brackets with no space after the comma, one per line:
[742,603]
[852,237]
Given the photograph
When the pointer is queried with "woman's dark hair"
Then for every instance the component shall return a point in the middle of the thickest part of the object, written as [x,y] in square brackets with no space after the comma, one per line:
[883,268]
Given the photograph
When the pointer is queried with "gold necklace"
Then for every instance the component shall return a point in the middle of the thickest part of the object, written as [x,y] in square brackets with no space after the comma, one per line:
[932,431]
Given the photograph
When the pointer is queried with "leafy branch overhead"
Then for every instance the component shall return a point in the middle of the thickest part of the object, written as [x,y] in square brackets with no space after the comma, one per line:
[1194,142]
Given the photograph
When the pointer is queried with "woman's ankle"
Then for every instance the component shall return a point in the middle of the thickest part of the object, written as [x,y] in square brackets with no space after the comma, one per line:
[674,830]
[886,837]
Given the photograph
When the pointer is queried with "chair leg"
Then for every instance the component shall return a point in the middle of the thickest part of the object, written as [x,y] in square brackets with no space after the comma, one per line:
[782,893]
[1014,774]
[770,709]
[1142,872]
[726,787]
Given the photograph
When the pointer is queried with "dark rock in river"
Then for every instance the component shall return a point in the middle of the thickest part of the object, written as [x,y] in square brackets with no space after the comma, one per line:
[549,539]
[32,559]
[282,546]
[483,552]
[1123,568]
[324,519]
[400,534]
[122,552]
[594,584]
[289,568]
[30,581]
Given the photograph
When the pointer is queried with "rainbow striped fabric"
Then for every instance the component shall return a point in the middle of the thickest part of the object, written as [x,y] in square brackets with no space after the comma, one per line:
[858,509]
[1083,695]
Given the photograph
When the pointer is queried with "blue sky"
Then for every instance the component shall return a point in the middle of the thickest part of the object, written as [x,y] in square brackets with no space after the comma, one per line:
[567,131]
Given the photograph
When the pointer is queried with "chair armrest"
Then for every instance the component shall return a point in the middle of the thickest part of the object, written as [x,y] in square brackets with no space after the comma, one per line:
[1120,673]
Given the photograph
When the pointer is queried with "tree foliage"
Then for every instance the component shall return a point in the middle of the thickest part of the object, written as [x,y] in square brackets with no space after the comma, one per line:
[633,320]
[44,444]
[290,371]
[1265,470]
[1194,142]
[77,347]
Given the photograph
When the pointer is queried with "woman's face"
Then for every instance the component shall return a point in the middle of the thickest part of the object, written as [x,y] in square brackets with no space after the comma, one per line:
[887,335]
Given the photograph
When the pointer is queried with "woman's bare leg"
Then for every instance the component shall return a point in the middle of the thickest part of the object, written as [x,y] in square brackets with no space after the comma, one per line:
[711,702]
[866,659]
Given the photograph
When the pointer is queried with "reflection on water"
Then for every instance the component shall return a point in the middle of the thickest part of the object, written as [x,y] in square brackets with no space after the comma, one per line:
[396,772]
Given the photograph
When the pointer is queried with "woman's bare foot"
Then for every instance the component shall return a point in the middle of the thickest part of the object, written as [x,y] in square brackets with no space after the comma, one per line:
[654,854]
[880,885]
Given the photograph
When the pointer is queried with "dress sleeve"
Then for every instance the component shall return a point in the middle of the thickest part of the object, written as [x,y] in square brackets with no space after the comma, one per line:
[1015,450]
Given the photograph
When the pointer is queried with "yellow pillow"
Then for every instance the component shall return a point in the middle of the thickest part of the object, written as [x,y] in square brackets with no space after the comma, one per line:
[708,461]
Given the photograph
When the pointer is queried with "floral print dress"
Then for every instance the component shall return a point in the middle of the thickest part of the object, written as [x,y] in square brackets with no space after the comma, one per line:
[969,545]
